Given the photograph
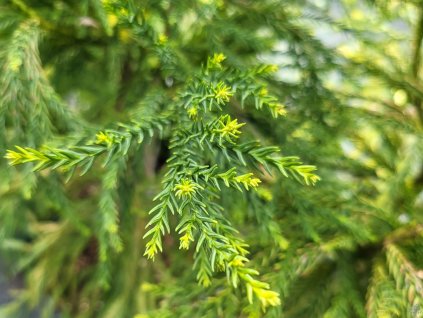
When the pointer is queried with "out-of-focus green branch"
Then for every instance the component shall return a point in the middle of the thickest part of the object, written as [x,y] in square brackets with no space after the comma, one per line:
[32,14]
[416,62]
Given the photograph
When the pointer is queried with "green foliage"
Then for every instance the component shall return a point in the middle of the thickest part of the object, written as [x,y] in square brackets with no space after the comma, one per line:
[157,147]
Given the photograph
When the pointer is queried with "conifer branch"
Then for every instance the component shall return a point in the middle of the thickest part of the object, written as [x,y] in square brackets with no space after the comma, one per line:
[406,277]
[29,111]
[190,187]
[115,143]
[382,298]
[219,188]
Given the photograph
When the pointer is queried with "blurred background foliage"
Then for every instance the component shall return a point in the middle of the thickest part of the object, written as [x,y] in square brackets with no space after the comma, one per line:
[350,77]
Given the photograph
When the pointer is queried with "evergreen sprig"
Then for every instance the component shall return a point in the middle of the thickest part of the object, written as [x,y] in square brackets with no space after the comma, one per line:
[115,143]
[190,187]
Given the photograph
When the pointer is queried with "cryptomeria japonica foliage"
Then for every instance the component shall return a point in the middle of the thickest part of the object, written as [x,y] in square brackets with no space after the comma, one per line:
[164,158]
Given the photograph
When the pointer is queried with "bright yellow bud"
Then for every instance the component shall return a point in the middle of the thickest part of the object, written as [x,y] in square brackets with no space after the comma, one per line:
[186,188]
[103,138]
[222,93]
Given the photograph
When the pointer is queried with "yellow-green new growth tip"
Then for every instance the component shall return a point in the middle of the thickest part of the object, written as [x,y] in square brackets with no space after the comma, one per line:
[229,128]
[13,157]
[186,188]
[24,155]
[248,180]
[216,60]
[192,112]
[103,138]
[222,93]
[185,240]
